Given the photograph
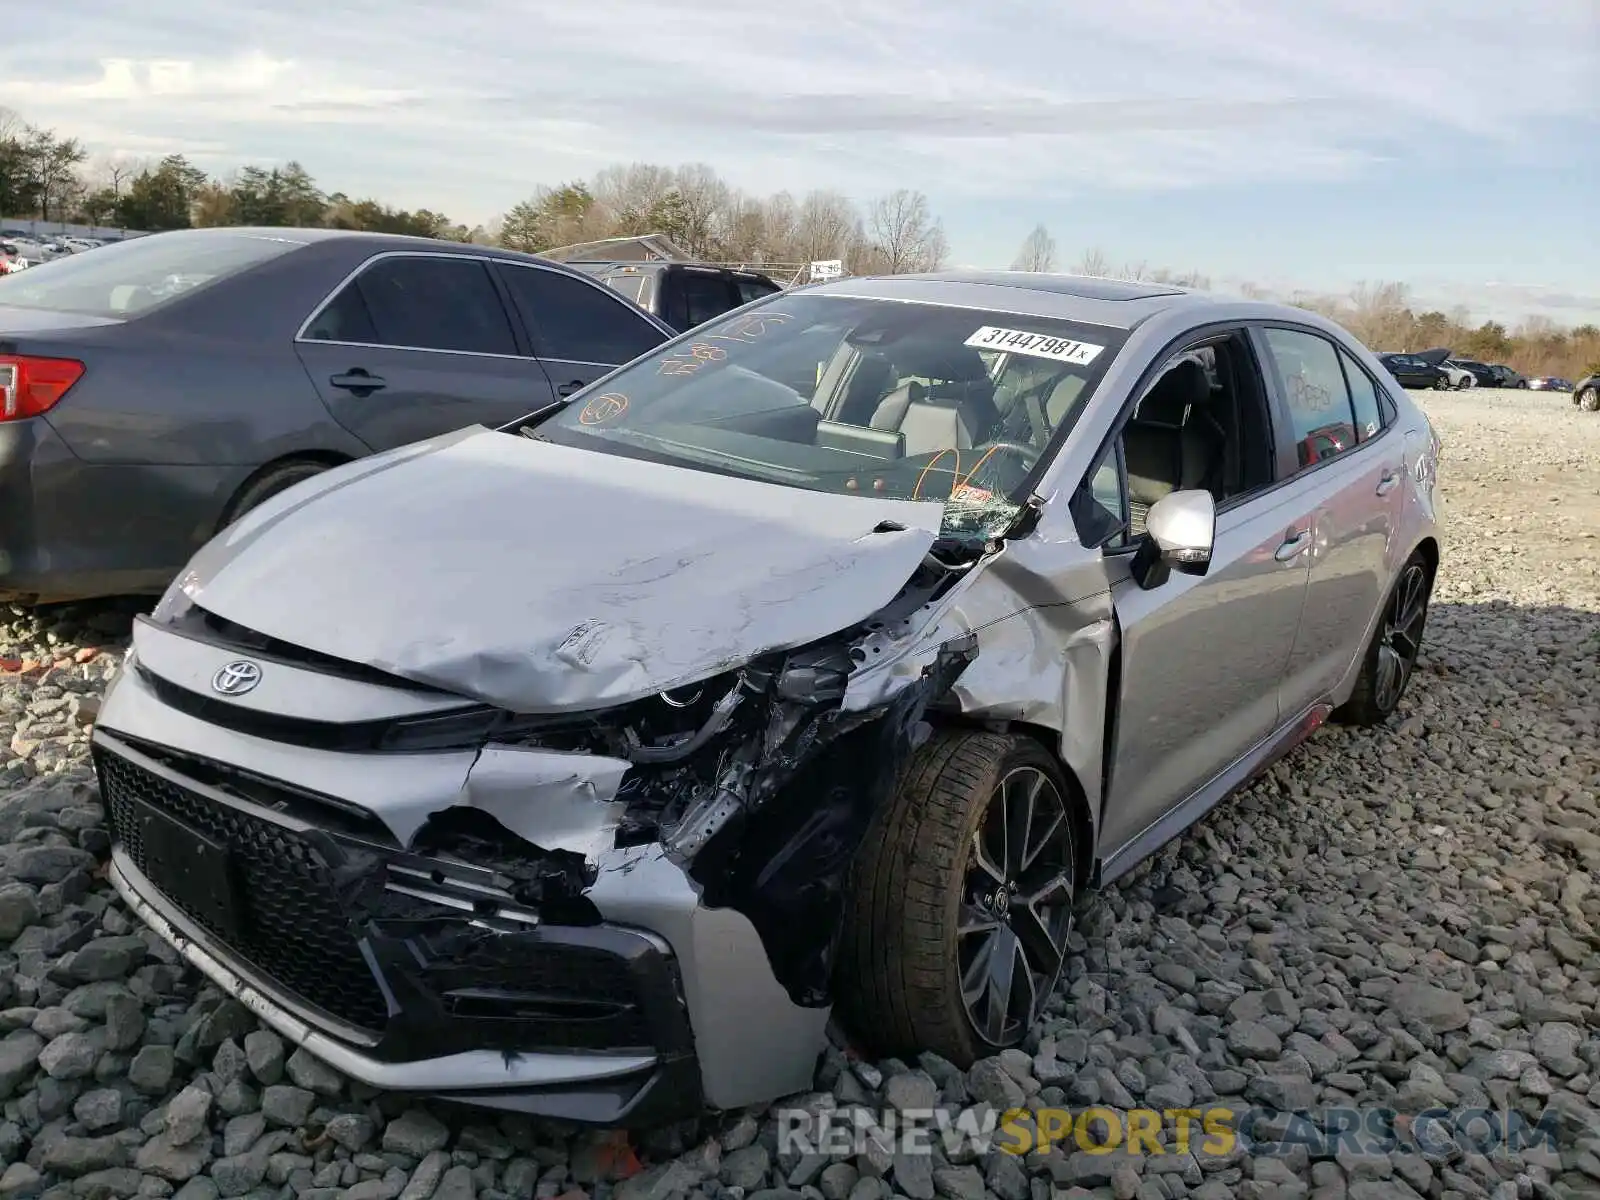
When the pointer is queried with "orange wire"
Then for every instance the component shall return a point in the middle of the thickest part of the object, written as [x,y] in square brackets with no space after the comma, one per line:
[916,490]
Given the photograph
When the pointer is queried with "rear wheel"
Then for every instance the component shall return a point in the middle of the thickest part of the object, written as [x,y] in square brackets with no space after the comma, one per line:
[962,901]
[1441,383]
[1589,399]
[267,484]
[1466,382]
[1392,654]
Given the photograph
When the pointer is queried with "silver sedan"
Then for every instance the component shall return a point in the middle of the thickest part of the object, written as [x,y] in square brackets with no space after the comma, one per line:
[816,662]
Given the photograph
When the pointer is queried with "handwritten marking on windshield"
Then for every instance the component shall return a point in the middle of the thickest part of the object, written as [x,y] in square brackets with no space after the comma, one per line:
[750,326]
[697,356]
[603,409]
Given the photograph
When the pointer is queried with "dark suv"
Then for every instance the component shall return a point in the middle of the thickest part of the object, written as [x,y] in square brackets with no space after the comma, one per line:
[681,294]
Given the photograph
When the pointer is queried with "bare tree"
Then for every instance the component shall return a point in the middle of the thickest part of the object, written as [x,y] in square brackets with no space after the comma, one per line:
[826,227]
[905,235]
[631,193]
[1038,252]
[1094,264]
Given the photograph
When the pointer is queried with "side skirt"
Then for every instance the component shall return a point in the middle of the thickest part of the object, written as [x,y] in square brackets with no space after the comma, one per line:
[1229,780]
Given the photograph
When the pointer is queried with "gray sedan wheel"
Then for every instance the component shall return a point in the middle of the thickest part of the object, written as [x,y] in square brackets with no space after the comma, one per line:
[268,483]
[962,901]
[1391,656]
[1589,399]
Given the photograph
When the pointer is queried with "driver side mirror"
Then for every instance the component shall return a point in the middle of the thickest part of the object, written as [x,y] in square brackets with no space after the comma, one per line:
[1180,534]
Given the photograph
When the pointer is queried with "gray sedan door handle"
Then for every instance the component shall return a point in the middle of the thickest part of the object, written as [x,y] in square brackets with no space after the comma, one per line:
[1294,546]
[358,381]
[1386,484]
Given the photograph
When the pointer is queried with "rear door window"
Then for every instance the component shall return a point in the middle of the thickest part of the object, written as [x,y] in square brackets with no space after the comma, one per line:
[1369,412]
[419,303]
[573,320]
[753,289]
[705,297]
[1314,390]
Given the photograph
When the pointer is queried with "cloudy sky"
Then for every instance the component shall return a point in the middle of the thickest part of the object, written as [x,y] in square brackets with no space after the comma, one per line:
[1294,143]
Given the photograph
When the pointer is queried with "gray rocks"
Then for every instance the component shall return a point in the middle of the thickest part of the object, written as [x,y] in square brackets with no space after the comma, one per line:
[287,1105]
[186,1115]
[1438,1008]
[151,1069]
[415,1133]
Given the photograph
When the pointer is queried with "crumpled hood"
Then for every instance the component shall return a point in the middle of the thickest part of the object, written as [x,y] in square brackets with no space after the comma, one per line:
[543,578]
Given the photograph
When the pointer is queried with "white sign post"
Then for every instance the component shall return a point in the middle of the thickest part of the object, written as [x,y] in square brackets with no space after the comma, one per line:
[832,268]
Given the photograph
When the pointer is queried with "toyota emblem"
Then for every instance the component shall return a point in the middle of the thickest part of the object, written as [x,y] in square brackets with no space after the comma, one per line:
[236,678]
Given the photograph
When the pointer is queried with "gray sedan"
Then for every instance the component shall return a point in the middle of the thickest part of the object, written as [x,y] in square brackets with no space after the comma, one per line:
[818,661]
[156,390]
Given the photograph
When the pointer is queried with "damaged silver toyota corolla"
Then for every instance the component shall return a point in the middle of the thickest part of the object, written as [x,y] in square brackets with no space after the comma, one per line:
[815,662]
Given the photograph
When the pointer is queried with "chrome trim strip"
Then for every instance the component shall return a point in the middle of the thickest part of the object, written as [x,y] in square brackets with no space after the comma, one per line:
[300,334]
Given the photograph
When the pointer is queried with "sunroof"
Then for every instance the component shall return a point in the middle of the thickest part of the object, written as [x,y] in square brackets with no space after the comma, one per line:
[1066,285]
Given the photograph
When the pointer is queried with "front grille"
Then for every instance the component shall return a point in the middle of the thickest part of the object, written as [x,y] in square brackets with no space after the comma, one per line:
[292,928]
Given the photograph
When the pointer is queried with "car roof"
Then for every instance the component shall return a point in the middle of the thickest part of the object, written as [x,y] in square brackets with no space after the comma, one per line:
[377,241]
[1111,303]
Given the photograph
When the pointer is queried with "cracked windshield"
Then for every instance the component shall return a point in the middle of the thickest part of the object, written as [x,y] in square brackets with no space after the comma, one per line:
[842,394]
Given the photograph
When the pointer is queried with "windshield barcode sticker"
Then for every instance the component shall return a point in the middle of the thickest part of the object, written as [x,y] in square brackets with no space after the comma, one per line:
[1040,345]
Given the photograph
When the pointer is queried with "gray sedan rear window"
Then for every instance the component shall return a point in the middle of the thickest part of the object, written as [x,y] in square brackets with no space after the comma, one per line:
[132,277]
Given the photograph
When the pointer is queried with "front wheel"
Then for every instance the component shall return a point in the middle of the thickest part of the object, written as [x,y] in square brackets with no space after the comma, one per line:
[1463,385]
[1391,656]
[962,901]
[1589,399]
[1441,383]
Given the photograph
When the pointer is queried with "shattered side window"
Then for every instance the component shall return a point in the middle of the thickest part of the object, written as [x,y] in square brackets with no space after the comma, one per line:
[848,394]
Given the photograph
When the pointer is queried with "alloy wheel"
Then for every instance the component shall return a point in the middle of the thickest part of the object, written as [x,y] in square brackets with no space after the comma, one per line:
[1400,639]
[1016,906]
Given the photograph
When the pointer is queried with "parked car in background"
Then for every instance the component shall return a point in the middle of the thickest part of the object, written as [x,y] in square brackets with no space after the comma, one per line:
[681,294]
[1481,374]
[1586,393]
[588,767]
[12,258]
[157,389]
[1507,377]
[1412,372]
[1458,377]
[1549,383]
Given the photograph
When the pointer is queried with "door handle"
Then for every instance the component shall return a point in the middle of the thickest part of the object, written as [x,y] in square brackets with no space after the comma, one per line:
[567,389]
[1386,484]
[1294,546]
[358,381]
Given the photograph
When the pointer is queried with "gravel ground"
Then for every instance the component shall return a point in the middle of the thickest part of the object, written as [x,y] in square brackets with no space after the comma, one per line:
[1401,919]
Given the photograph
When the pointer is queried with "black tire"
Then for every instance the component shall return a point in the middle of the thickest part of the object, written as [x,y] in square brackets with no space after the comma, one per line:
[1398,635]
[899,983]
[267,484]
[1589,399]
[1442,383]
[1464,385]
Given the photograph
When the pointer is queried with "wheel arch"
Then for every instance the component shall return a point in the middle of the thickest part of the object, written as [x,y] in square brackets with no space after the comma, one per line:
[1085,828]
[322,458]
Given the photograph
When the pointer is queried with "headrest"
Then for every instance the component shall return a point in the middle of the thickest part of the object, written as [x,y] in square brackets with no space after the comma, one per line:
[1167,403]
[932,360]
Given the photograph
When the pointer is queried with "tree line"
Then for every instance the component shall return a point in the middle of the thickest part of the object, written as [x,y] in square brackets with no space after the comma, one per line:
[53,178]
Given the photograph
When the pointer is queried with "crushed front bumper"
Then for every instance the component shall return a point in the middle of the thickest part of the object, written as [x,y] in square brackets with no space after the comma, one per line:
[411,970]
[582,1022]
